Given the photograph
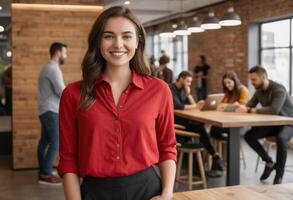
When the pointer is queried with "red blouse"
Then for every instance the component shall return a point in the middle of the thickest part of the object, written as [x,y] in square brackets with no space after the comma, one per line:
[107,140]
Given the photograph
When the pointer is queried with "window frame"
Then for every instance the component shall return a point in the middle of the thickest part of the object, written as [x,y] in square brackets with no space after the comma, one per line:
[183,51]
[289,47]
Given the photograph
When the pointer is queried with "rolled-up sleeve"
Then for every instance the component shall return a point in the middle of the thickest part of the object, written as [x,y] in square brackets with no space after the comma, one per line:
[165,128]
[68,134]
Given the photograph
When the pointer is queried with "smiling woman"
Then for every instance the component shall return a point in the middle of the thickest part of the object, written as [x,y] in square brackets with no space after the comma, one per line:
[114,125]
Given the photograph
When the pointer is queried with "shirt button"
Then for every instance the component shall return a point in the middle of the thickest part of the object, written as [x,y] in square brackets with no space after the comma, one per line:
[120,106]
[118,145]
[117,157]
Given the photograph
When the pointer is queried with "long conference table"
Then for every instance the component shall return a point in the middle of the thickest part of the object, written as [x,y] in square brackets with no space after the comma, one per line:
[240,192]
[233,121]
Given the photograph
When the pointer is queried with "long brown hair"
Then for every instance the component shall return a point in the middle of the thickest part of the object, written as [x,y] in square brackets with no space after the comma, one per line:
[237,84]
[93,62]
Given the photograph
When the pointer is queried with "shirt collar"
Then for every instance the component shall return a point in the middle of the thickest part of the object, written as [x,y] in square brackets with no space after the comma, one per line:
[136,79]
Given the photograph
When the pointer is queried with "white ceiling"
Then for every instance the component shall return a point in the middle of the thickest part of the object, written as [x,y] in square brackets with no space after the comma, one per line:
[149,10]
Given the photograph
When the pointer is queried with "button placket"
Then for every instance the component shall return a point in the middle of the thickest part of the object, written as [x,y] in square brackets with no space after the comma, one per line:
[117,143]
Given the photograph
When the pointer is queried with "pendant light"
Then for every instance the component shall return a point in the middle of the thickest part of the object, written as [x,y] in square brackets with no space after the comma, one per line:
[182,27]
[168,33]
[195,26]
[230,18]
[211,22]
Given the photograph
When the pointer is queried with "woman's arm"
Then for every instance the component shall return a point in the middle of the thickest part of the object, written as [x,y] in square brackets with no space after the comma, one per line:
[168,171]
[71,186]
[68,164]
[166,142]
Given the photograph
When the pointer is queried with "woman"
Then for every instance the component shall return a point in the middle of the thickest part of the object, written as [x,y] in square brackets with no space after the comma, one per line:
[235,94]
[114,125]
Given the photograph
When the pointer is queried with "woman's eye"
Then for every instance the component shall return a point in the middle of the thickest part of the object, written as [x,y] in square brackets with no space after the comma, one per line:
[127,37]
[108,36]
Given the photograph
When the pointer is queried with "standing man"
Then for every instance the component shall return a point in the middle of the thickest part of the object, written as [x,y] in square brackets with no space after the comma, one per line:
[163,72]
[201,74]
[274,100]
[50,88]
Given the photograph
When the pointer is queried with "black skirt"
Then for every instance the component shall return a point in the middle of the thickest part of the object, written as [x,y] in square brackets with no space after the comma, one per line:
[142,185]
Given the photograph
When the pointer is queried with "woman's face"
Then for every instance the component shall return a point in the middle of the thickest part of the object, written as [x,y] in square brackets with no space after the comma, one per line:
[119,42]
[229,84]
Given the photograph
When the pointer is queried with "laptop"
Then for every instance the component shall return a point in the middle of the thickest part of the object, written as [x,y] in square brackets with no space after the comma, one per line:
[212,101]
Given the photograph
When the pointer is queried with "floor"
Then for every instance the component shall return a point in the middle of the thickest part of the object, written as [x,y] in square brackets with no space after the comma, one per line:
[23,185]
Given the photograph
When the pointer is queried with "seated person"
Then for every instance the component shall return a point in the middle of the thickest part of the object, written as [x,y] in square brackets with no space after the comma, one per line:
[275,100]
[184,100]
[235,94]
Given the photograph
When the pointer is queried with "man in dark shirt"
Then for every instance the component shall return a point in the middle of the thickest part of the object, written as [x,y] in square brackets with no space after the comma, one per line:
[274,100]
[183,100]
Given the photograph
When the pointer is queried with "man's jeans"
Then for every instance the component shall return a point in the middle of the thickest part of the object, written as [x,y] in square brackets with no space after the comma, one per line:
[49,141]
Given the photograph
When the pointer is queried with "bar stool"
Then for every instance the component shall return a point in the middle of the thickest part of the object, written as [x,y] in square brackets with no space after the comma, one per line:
[190,150]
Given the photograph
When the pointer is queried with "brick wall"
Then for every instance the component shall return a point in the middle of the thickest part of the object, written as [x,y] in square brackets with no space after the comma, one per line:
[32,33]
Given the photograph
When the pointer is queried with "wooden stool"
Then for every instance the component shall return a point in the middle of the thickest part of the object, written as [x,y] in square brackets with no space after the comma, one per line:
[180,127]
[190,151]
[190,179]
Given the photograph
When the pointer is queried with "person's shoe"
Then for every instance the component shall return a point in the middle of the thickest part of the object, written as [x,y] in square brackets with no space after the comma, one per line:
[218,164]
[279,175]
[50,180]
[277,180]
[267,171]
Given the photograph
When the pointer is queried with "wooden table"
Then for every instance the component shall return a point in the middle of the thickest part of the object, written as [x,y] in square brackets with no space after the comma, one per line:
[233,121]
[260,192]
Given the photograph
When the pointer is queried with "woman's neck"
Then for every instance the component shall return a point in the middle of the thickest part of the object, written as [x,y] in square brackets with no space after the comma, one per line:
[117,74]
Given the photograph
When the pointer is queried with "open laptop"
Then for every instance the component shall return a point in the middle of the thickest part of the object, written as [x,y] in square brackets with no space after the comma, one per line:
[212,102]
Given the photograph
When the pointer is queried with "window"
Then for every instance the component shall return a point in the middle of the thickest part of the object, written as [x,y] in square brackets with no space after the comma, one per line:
[176,48]
[276,51]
